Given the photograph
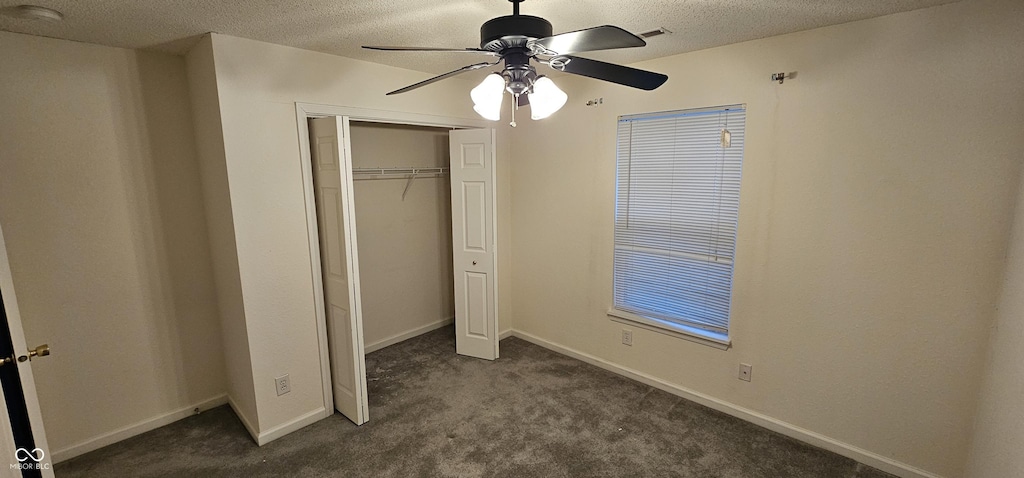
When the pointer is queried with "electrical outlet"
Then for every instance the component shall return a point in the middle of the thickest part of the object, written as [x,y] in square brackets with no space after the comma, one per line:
[284,384]
[627,337]
[745,370]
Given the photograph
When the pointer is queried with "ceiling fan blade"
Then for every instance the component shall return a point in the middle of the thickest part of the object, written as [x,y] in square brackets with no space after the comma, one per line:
[524,99]
[605,37]
[623,75]
[426,82]
[427,48]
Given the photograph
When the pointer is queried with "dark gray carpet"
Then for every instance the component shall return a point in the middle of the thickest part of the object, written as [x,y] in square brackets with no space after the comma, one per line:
[532,413]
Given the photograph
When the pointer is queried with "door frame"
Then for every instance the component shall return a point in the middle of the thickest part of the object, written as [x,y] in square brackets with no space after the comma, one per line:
[304,111]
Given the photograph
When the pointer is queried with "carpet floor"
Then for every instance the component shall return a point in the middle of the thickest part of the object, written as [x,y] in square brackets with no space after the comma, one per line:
[531,413]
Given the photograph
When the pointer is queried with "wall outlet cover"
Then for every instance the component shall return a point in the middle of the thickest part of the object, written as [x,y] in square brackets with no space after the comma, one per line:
[283,384]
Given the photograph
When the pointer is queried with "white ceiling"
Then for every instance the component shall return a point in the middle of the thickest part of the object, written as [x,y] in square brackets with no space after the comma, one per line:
[340,27]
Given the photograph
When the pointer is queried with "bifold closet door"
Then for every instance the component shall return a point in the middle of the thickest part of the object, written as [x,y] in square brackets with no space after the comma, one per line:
[473,242]
[336,227]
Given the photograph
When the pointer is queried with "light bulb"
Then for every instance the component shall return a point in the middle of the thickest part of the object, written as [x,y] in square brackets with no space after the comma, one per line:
[487,96]
[546,98]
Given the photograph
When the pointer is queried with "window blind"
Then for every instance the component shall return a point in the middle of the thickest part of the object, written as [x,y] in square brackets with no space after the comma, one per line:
[677,202]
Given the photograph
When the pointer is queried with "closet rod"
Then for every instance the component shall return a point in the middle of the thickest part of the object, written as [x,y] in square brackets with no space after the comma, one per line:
[397,171]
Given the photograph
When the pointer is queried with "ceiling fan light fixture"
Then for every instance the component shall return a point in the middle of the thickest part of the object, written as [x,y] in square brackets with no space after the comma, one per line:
[546,98]
[517,40]
[487,96]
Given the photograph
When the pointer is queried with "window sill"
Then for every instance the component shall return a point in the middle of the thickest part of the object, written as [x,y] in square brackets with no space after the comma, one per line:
[693,334]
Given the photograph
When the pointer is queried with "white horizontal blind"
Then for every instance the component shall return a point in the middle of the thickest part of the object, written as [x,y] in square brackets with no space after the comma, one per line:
[677,202]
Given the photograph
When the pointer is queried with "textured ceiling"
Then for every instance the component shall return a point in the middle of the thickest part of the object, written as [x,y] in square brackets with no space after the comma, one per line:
[340,27]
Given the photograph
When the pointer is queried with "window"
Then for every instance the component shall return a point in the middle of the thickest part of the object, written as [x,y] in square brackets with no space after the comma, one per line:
[676,208]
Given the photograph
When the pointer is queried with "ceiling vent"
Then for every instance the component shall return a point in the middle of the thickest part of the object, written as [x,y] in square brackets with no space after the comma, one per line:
[654,33]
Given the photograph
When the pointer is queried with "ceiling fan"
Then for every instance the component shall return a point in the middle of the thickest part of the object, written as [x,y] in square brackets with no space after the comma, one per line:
[519,39]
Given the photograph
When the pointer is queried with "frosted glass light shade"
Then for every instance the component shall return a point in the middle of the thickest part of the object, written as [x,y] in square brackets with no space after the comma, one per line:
[546,98]
[487,97]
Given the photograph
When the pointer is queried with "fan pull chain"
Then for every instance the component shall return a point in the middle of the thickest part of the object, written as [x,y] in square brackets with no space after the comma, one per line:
[515,106]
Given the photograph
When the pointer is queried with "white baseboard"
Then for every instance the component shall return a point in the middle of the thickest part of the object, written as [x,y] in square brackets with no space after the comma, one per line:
[262,438]
[505,334]
[249,427]
[394,339]
[134,429]
[286,428]
[816,439]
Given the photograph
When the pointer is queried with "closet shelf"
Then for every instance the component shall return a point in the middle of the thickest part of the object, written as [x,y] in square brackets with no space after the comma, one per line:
[395,173]
[398,173]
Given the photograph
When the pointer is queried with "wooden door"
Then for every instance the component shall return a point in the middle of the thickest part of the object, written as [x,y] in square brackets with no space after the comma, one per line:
[22,425]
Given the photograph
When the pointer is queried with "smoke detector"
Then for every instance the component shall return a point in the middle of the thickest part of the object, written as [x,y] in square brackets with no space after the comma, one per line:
[34,12]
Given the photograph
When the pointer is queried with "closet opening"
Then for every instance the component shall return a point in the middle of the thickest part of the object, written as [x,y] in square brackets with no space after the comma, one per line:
[403,215]
[402,224]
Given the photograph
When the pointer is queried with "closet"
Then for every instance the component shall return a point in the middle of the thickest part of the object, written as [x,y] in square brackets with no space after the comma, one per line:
[403,212]
[382,242]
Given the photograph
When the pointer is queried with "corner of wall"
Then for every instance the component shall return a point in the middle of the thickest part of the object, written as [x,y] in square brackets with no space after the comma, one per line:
[209,136]
[997,437]
[505,142]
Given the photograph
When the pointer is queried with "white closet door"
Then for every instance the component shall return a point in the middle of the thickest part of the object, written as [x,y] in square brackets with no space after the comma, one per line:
[336,225]
[473,242]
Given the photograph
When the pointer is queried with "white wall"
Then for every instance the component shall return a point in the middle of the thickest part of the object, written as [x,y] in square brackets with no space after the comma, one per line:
[998,447]
[258,84]
[877,194]
[102,209]
[405,245]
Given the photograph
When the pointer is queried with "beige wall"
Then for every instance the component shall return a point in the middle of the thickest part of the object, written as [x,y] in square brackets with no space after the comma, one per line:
[258,85]
[405,246]
[102,210]
[998,447]
[877,193]
[202,81]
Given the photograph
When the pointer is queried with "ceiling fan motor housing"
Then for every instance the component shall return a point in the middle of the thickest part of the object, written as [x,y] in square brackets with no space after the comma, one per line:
[508,31]
[518,73]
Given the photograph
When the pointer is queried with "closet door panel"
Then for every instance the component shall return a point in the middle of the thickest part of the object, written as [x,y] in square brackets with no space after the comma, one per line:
[473,236]
[336,229]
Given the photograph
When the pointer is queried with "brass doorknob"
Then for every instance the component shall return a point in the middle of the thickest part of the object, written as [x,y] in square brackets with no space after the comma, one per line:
[40,351]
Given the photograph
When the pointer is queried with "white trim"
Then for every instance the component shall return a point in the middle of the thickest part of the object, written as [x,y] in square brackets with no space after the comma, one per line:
[288,427]
[313,110]
[861,455]
[394,339]
[137,428]
[249,427]
[505,334]
[680,331]
[306,162]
